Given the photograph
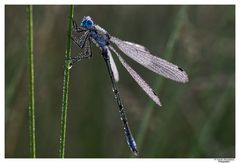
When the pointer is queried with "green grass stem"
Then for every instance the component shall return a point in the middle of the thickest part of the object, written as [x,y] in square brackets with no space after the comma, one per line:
[65,88]
[31,107]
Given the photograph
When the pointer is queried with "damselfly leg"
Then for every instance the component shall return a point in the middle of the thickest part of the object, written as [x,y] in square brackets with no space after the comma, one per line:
[85,44]
[76,28]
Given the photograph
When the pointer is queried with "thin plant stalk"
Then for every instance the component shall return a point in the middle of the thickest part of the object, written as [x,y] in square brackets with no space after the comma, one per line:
[65,88]
[158,82]
[31,107]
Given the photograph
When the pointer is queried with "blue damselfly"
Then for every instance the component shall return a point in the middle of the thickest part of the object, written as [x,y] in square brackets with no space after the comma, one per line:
[102,39]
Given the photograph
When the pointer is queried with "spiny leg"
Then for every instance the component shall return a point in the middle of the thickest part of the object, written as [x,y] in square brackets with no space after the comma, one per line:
[80,42]
[87,53]
[76,28]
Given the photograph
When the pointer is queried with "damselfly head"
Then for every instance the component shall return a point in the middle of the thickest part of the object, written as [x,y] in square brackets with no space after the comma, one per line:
[86,22]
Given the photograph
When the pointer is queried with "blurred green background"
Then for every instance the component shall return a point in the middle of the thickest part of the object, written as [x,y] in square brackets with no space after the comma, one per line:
[197,119]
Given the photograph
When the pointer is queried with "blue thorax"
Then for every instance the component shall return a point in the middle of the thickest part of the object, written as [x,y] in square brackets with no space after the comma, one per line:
[100,38]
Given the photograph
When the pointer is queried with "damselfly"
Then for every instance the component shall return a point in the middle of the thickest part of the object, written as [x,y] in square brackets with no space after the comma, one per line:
[101,38]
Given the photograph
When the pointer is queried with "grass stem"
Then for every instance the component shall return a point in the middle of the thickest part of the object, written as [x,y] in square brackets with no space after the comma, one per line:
[65,88]
[31,107]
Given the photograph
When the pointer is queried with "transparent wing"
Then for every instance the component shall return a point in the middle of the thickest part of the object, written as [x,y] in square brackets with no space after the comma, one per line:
[160,66]
[113,66]
[138,79]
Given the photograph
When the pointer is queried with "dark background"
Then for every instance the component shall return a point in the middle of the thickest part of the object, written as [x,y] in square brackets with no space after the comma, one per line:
[197,119]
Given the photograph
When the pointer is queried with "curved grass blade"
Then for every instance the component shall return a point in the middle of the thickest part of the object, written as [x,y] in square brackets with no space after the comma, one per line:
[180,19]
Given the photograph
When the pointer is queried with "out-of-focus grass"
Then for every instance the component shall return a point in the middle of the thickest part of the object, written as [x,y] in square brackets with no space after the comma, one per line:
[11,87]
[168,54]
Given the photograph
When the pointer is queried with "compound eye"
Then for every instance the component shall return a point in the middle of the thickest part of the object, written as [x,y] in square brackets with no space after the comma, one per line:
[82,24]
[89,23]
[86,22]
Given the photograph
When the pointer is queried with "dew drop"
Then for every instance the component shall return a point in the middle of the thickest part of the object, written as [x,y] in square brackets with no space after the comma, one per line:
[69,64]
